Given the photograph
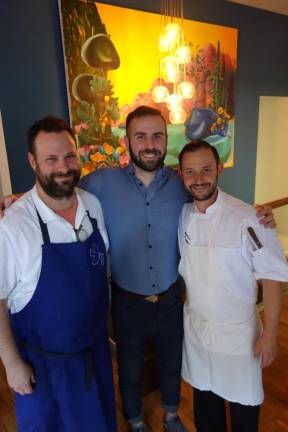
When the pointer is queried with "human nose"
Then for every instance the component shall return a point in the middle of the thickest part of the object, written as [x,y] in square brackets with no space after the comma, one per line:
[198,177]
[149,142]
[63,165]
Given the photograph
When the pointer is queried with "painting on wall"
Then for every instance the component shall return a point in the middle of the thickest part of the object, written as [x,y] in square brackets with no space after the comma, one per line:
[113,65]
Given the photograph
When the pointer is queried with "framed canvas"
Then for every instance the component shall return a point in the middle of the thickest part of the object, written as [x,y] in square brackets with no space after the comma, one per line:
[112,66]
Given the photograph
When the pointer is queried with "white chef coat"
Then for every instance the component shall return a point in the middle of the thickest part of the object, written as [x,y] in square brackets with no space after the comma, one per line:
[220,265]
[21,241]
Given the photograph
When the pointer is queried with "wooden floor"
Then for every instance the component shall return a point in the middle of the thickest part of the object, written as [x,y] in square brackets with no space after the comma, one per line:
[274,415]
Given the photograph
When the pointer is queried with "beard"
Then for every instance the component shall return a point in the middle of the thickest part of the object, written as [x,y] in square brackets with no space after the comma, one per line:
[65,189]
[207,194]
[147,165]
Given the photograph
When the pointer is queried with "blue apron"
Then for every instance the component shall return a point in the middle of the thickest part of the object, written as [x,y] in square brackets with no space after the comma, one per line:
[62,333]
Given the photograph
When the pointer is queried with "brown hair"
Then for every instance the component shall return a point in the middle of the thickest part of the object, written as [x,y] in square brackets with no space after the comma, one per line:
[47,124]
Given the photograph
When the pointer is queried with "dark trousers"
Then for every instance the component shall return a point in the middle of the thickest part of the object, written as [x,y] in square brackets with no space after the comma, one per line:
[134,320]
[210,415]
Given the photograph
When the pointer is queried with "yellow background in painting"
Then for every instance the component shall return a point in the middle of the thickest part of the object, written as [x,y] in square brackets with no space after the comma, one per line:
[135,35]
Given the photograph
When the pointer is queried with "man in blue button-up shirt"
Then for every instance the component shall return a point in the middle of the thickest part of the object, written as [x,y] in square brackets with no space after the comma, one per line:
[141,205]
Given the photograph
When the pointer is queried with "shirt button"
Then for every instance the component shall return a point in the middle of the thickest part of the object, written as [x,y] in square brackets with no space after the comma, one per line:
[149,225]
[151,268]
[153,286]
[150,246]
[147,203]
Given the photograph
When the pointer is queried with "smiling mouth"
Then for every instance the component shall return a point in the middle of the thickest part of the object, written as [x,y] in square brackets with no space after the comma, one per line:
[150,155]
[199,187]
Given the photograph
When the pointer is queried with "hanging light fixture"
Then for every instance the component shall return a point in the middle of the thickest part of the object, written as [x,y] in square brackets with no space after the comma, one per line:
[175,54]
[160,94]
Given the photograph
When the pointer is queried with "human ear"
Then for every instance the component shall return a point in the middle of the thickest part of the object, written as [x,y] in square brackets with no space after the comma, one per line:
[220,168]
[32,161]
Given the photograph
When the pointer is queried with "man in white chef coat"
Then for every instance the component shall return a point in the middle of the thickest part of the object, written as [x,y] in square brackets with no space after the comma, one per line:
[224,251]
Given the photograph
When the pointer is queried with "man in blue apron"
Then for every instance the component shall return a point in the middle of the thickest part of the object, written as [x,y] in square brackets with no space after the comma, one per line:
[222,258]
[53,245]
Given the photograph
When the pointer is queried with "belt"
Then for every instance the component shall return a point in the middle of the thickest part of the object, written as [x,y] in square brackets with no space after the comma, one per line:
[153,298]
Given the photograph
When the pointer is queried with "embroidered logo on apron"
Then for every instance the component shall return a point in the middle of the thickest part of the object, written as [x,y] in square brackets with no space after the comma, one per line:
[97,258]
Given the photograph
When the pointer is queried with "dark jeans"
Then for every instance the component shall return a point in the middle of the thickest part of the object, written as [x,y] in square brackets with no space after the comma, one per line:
[134,321]
[210,415]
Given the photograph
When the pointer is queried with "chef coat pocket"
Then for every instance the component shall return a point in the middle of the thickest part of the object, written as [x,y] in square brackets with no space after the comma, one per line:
[170,213]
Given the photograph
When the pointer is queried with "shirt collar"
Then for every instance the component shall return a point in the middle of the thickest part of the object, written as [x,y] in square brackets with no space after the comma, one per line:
[211,210]
[48,215]
[160,174]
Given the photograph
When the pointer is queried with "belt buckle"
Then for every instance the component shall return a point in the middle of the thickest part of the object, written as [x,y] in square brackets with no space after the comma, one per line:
[152,298]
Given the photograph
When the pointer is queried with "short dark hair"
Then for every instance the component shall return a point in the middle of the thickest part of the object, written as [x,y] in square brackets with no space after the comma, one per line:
[143,111]
[47,124]
[196,145]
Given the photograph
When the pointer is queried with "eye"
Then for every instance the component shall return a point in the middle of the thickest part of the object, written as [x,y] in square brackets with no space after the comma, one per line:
[207,170]
[189,173]
[159,137]
[71,157]
[51,159]
[140,137]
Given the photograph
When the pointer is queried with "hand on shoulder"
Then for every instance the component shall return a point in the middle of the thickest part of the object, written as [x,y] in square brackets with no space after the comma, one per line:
[265,215]
[7,202]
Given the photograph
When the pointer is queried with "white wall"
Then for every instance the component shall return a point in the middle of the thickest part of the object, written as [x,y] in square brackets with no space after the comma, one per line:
[272,158]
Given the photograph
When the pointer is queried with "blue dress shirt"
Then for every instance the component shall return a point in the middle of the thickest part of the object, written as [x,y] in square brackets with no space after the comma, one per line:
[142,224]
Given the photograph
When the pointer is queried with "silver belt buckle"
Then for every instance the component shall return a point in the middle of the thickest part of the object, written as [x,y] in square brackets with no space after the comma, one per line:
[152,298]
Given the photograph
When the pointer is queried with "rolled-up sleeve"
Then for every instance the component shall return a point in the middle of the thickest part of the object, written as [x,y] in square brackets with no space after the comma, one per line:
[269,261]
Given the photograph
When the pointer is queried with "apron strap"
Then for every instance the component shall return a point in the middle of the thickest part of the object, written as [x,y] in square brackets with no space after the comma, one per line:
[44,229]
[93,221]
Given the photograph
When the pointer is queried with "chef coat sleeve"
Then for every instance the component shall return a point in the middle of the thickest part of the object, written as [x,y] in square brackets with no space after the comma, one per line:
[268,262]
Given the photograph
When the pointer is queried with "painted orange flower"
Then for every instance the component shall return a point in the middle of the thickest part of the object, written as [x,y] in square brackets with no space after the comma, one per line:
[97,157]
[87,168]
[120,150]
[108,148]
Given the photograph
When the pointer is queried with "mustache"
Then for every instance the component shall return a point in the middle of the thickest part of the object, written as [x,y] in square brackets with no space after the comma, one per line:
[199,185]
[150,151]
[64,175]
